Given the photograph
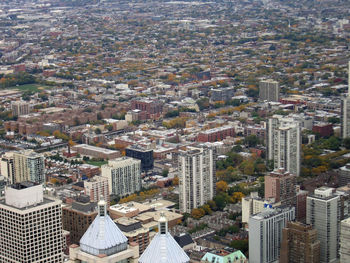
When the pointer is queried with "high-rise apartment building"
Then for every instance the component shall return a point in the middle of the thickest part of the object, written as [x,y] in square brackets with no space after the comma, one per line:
[29,166]
[77,217]
[280,185]
[269,90]
[344,250]
[265,233]
[20,108]
[284,143]
[31,226]
[299,244]
[323,213]
[7,167]
[123,174]
[96,187]
[196,177]
[345,111]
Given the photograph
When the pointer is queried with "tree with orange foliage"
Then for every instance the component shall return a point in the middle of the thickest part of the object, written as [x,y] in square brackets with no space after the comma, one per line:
[221,186]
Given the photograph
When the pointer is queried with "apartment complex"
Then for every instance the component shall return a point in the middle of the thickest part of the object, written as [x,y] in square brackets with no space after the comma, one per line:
[123,174]
[284,143]
[196,177]
[216,134]
[265,233]
[280,185]
[77,217]
[96,187]
[299,244]
[96,152]
[269,90]
[20,108]
[344,249]
[29,166]
[31,226]
[345,111]
[323,213]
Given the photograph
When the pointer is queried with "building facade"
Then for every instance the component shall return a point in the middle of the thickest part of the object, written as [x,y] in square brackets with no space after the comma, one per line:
[7,167]
[123,174]
[284,143]
[324,213]
[196,177]
[31,226]
[76,218]
[29,166]
[344,250]
[265,233]
[20,108]
[145,155]
[299,244]
[96,187]
[216,134]
[280,185]
[269,90]
[345,111]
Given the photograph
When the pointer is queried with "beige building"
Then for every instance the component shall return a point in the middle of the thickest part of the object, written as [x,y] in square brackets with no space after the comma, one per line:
[96,152]
[20,108]
[97,187]
[7,168]
[29,166]
[124,175]
[31,227]
[344,250]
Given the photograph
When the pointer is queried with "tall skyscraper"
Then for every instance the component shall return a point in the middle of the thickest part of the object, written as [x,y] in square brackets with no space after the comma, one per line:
[123,174]
[96,187]
[323,213]
[31,227]
[29,166]
[284,143]
[345,111]
[269,90]
[196,177]
[345,241]
[265,233]
[280,185]
[299,244]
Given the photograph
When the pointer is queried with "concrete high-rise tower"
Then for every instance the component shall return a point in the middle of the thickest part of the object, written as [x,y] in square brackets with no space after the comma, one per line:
[323,213]
[196,177]
[284,143]
[345,111]
[29,166]
[31,226]
[265,234]
[269,90]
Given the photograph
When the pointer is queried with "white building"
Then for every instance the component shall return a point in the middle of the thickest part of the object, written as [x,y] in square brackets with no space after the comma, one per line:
[265,234]
[284,143]
[269,90]
[345,112]
[344,250]
[323,213]
[123,174]
[31,227]
[20,108]
[29,166]
[196,177]
[96,187]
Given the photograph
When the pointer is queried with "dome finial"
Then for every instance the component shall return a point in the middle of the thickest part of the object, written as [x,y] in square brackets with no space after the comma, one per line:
[163,223]
[102,207]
